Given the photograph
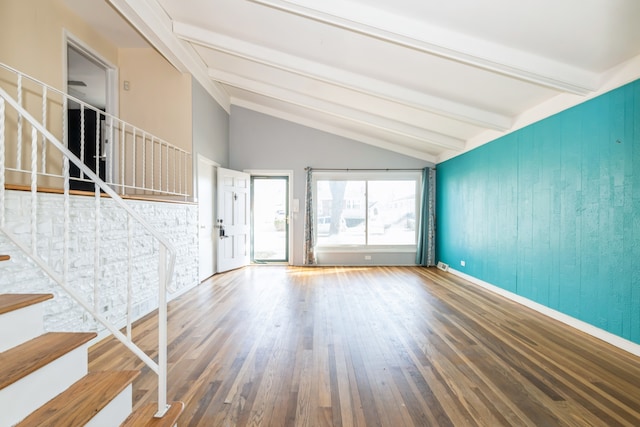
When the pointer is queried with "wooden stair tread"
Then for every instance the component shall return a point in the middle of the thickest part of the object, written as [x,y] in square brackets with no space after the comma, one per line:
[5,257]
[11,302]
[20,361]
[144,416]
[82,401]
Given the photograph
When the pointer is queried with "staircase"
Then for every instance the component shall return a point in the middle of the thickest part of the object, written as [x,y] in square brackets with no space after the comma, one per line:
[44,379]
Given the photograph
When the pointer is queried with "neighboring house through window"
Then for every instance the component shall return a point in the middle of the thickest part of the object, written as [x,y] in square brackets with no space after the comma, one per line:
[366,210]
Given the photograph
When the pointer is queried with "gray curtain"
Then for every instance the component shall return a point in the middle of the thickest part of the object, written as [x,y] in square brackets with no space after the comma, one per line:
[426,250]
[309,235]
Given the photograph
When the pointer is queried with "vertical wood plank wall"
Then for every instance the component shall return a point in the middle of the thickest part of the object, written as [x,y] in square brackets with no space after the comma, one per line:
[551,212]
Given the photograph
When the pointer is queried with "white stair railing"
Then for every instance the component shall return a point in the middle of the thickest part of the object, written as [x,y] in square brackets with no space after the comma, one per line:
[130,160]
[41,144]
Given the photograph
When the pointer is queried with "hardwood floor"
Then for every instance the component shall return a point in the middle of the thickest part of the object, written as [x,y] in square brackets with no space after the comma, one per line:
[398,346]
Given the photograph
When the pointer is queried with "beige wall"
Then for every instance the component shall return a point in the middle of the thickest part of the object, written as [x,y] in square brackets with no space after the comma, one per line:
[32,41]
[31,38]
[159,97]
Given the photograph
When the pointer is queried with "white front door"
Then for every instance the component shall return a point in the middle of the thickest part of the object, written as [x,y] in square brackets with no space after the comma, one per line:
[233,219]
[207,235]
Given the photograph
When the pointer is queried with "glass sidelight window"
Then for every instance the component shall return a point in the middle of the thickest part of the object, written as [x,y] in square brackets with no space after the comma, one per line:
[270,219]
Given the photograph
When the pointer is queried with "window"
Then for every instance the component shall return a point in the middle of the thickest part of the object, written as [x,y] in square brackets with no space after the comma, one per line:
[366,210]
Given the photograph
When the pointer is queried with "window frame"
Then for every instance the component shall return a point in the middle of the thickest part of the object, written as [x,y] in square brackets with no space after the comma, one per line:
[367,176]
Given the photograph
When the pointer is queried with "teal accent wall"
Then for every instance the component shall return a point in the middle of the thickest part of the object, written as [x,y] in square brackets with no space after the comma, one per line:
[551,212]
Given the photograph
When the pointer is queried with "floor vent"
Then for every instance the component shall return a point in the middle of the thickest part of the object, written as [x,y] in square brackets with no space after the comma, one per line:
[442,266]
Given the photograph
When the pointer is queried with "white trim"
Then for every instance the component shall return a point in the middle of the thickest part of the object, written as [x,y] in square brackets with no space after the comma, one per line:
[293,216]
[112,104]
[616,77]
[339,130]
[412,33]
[594,331]
[334,76]
[200,158]
[155,25]
[320,104]
[367,176]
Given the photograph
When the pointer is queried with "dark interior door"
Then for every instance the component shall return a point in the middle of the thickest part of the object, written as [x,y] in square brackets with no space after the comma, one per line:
[88,156]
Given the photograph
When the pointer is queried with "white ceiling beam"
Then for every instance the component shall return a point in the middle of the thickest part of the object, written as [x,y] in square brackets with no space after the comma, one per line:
[409,32]
[345,113]
[153,23]
[335,130]
[335,76]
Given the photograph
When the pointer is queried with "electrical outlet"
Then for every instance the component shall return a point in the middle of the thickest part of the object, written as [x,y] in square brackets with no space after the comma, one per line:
[462,263]
[367,257]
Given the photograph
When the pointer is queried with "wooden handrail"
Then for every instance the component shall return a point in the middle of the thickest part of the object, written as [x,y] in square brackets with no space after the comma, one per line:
[143,197]
[5,257]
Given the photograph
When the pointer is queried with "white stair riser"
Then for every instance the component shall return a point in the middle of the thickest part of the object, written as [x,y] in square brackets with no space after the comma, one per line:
[26,395]
[19,326]
[115,412]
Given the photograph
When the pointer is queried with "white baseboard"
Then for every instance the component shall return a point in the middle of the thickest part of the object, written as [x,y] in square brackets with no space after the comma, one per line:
[594,331]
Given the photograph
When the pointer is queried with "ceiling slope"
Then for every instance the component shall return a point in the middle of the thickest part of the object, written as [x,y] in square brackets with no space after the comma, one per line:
[421,78]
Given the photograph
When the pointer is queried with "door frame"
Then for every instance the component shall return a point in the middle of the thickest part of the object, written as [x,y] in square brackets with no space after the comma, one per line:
[214,213]
[293,214]
[70,40]
[111,90]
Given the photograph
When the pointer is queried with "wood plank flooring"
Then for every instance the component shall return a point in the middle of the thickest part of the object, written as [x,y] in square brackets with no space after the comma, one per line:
[381,346]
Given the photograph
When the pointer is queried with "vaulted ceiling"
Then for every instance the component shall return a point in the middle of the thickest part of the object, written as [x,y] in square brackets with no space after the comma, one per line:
[419,77]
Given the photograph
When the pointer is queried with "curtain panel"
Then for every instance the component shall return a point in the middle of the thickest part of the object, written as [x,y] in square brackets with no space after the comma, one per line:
[426,249]
[309,235]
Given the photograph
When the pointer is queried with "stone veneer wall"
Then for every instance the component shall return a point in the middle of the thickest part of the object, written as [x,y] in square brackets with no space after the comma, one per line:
[178,222]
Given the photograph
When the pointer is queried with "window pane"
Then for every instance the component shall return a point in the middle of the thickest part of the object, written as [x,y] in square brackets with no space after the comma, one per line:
[340,213]
[392,212]
[270,225]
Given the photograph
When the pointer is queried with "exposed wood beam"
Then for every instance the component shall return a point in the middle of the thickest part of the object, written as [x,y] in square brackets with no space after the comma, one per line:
[392,127]
[409,32]
[335,130]
[153,23]
[352,81]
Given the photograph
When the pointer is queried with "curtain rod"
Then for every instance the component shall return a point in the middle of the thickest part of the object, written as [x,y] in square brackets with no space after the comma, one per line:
[362,170]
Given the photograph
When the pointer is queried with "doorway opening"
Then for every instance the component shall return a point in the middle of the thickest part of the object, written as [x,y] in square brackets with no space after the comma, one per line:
[92,80]
[269,219]
[207,238]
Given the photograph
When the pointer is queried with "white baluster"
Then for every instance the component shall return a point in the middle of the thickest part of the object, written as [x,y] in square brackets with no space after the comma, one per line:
[81,138]
[65,122]
[122,146]
[133,157]
[144,159]
[2,166]
[44,123]
[19,124]
[129,273]
[162,332]
[111,142]
[34,191]
[179,172]
[66,204]
[98,153]
[96,255]
[185,174]
[67,222]
[160,167]
[153,153]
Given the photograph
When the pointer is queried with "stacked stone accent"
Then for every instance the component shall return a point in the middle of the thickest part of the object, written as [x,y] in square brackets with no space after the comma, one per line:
[177,222]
